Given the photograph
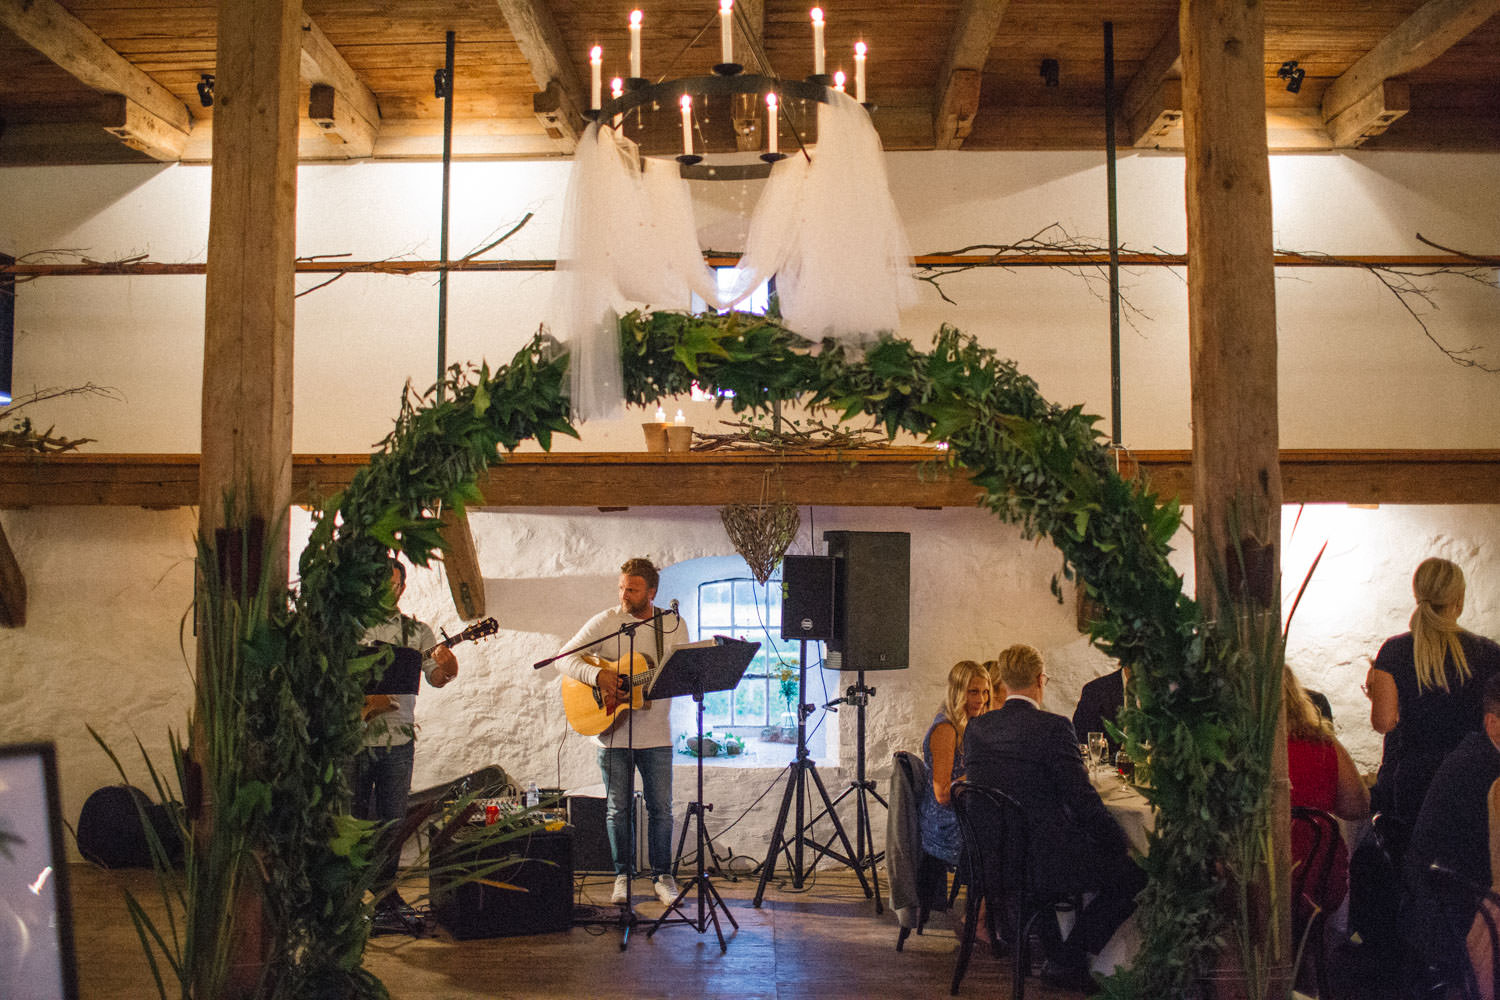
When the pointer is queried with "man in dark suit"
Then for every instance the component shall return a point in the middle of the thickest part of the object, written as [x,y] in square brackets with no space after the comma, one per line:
[1453,830]
[1101,699]
[1076,845]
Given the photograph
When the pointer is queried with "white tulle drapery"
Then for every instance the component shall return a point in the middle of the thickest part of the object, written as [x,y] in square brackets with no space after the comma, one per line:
[827,230]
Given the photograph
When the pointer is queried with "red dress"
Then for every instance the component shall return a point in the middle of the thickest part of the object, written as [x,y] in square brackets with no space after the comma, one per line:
[1314,772]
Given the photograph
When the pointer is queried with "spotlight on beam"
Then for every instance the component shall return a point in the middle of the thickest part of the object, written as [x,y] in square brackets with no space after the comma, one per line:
[1049,72]
[206,90]
[1292,74]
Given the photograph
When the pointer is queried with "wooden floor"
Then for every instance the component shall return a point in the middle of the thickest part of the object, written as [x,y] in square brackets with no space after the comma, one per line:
[822,941]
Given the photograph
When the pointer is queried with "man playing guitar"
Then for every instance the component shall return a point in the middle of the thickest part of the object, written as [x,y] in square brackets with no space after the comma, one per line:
[650,750]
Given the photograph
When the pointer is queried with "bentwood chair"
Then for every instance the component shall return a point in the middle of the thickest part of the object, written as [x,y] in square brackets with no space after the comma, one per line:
[931,876]
[1458,895]
[1317,834]
[996,841]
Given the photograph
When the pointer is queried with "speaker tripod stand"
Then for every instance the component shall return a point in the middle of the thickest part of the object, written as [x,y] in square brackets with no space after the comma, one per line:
[863,789]
[798,771]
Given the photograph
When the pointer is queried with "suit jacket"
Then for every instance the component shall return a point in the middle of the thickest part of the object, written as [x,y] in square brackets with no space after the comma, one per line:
[1032,756]
[1100,699]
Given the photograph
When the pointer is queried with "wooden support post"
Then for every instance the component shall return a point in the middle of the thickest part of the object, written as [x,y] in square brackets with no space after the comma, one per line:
[461,560]
[12,587]
[1232,338]
[247,357]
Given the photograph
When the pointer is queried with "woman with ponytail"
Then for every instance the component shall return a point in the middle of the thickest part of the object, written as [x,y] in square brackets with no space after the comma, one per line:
[1425,688]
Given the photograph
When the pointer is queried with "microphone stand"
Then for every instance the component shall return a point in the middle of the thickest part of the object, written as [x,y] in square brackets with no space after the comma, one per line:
[627,917]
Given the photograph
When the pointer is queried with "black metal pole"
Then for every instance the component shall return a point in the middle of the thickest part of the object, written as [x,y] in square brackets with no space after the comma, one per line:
[1114,233]
[442,335]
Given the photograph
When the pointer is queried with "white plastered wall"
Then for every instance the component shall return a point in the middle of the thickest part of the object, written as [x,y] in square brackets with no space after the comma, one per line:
[109,587]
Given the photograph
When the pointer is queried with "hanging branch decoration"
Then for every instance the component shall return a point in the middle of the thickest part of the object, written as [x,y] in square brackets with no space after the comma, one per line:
[21,435]
[376,266]
[791,437]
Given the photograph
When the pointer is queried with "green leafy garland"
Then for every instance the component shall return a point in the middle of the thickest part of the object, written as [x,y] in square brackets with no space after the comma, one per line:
[1040,465]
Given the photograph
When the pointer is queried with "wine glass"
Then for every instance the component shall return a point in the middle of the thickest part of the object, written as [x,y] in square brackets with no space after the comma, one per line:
[1098,749]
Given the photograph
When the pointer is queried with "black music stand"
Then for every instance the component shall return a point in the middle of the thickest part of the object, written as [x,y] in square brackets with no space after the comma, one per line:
[696,670]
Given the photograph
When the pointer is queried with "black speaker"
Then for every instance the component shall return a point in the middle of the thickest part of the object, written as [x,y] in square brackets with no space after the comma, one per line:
[591,851]
[807,597]
[872,605]
[475,910]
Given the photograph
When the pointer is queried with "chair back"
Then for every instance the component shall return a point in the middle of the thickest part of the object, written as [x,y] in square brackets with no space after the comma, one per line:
[1478,939]
[1315,836]
[913,769]
[996,840]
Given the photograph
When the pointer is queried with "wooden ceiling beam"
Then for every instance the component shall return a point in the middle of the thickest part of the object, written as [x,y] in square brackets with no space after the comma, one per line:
[339,102]
[148,116]
[885,477]
[1152,102]
[958,81]
[561,100]
[1356,106]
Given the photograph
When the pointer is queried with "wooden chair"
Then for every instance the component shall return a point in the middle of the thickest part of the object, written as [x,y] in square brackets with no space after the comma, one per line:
[1479,939]
[1310,886]
[996,842]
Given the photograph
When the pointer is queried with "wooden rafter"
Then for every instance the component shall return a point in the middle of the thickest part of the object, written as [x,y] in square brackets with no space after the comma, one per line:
[339,103]
[1358,105]
[146,116]
[561,98]
[957,86]
[1152,103]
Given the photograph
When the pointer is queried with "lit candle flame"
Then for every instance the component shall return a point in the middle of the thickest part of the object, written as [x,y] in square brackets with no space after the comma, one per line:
[661,415]
[680,418]
[839,79]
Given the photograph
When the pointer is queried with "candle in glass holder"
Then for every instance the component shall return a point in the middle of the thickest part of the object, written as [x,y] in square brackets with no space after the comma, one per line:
[635,44]
[860,49]
[726,31]
[687,125]
[817,23]
[773,122]
[596,74]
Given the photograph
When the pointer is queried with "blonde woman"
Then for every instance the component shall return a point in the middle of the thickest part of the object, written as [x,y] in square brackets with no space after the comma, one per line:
[1424,688]
[942,749]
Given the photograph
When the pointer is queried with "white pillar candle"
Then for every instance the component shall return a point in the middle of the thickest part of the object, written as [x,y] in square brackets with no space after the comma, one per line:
[726,31]
[617,91]
[596,74]
[859,71]
[817,22]
[838,81]
[687,125]
[680,418]
[773,122]
[635,44]
[661,415]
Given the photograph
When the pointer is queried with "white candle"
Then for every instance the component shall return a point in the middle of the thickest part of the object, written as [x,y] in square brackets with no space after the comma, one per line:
[680,418]
[635,44]
[596,72]
[661,415]
[726,31]
[817,21]
[773,121]
[838,81]
[859,71]
[617,91]
[687,125]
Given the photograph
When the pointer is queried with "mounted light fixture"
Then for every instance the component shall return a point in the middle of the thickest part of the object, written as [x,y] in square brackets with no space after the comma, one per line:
[440,83]
[206,90]
[1050,72]
[1292,74]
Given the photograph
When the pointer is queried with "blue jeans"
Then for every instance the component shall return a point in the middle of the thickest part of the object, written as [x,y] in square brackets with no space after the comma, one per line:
[655,767]
[382,784]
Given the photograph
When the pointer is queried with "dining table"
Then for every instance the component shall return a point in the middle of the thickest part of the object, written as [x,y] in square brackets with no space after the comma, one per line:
[1130,809]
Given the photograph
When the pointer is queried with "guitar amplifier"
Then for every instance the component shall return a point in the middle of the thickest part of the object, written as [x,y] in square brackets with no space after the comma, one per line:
[540,902]
[591,851]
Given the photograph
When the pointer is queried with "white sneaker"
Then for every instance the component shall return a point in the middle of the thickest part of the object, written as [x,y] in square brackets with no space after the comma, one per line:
[621,895]
[666,889]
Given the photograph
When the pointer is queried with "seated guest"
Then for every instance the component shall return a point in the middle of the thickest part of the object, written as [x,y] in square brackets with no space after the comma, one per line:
[1101,699]
[1077,847]
[942,751]
[1452,830]
[997,686]
[1323,777]
[1480,942]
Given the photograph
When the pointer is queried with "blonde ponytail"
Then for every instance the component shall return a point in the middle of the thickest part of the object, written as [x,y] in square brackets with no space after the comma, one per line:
[1438,586]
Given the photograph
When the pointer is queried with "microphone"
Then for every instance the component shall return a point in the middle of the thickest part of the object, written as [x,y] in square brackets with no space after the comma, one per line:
[674,608]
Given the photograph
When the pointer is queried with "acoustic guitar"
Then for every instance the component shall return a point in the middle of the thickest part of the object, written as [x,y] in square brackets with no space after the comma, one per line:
[584,705]
[379,704]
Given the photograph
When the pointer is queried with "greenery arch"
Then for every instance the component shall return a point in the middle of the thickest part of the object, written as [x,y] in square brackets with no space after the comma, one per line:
[1040,465]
